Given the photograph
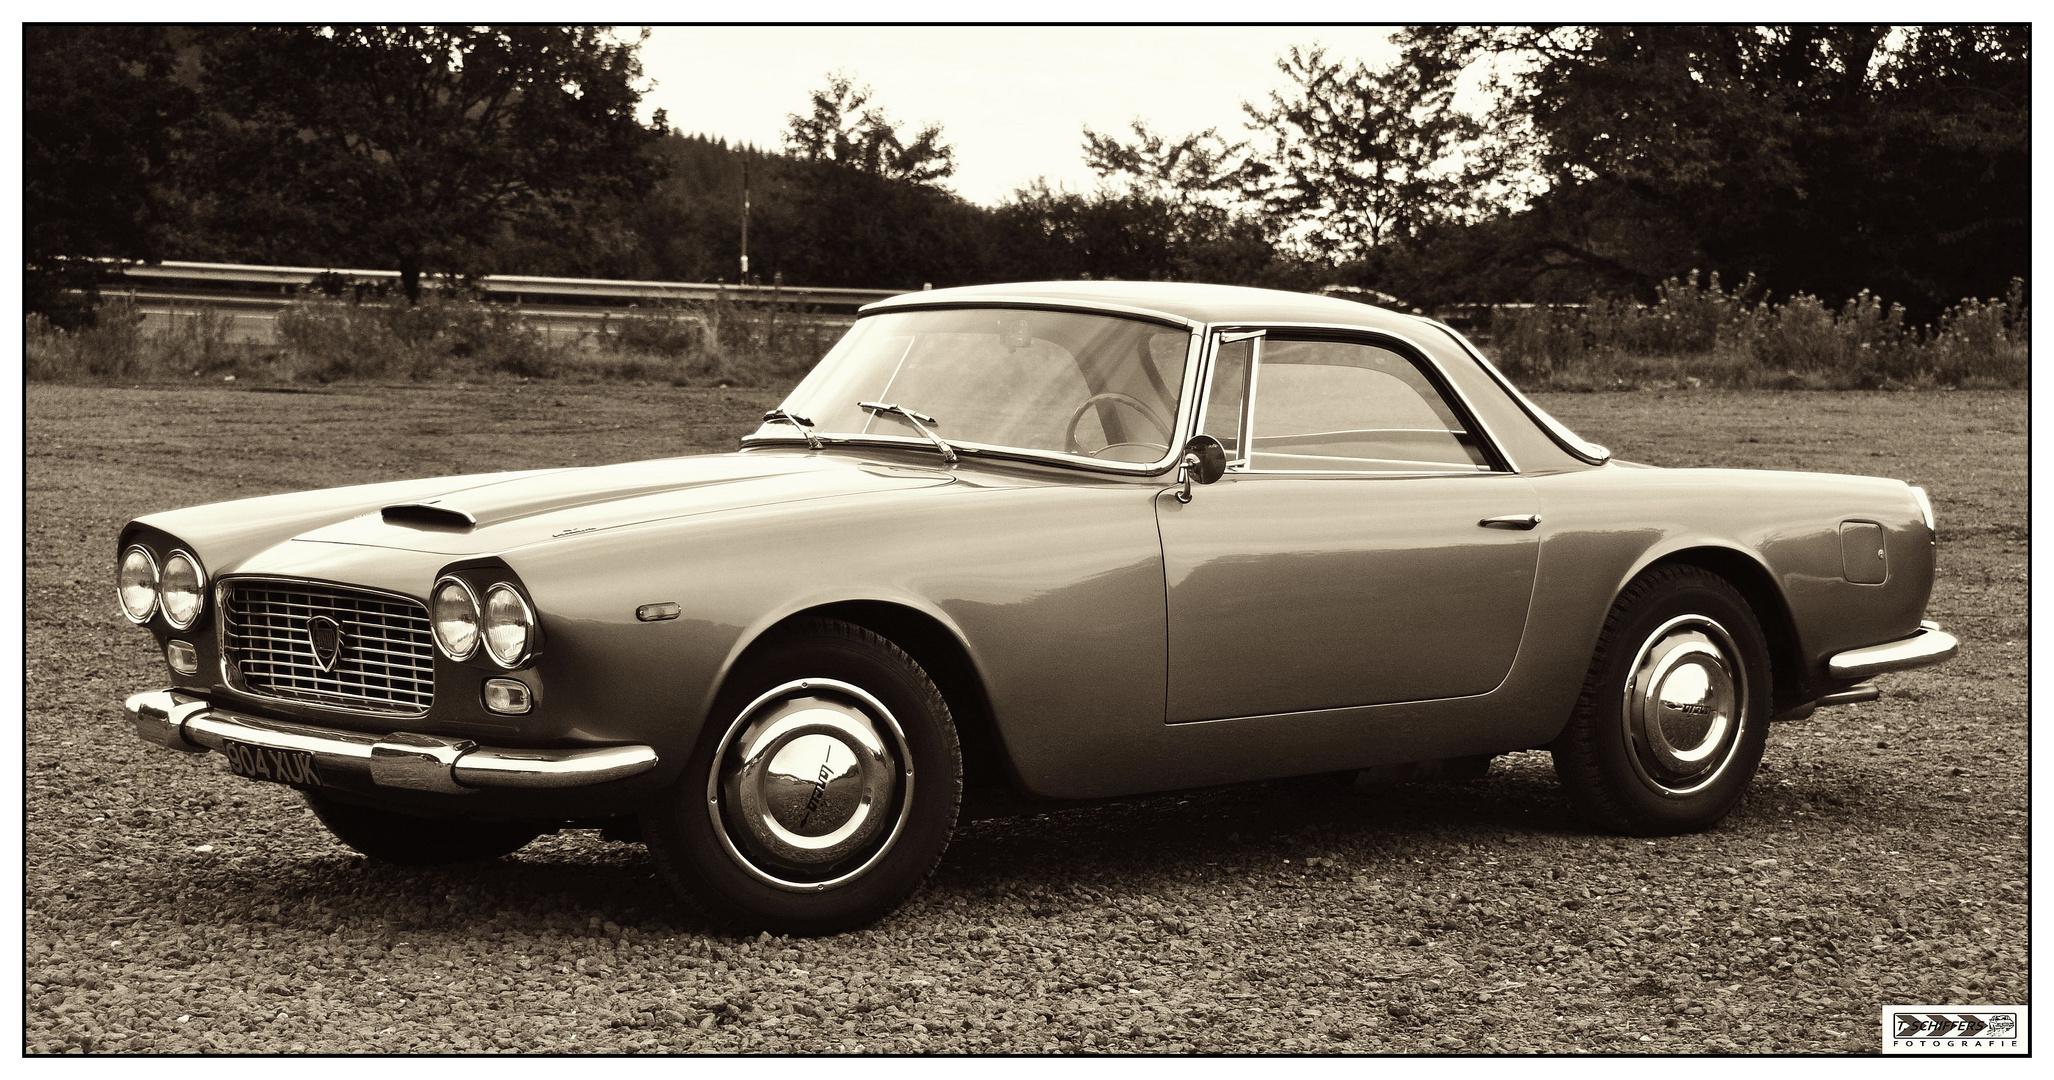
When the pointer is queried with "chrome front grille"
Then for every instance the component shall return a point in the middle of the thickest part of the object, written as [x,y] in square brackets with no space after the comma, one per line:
[386,663]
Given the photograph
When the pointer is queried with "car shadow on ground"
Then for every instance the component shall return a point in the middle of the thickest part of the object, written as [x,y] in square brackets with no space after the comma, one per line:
[580,884]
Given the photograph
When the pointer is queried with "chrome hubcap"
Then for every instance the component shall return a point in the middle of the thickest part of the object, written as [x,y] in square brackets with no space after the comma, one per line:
[1686,705]
[811,785]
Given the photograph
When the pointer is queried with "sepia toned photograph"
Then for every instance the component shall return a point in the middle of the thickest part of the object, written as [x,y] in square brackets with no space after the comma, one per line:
[1135,540]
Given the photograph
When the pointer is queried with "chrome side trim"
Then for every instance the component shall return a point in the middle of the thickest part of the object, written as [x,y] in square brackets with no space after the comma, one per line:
[1930,645]
[404,760]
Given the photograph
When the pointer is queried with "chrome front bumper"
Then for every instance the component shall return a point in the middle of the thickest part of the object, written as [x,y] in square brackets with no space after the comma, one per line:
[398,760]
[1929,645]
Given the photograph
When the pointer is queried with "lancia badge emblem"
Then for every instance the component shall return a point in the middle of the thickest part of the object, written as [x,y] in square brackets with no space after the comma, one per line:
[327,635]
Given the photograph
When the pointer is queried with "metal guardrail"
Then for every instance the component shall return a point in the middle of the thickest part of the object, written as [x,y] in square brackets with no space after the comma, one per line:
[189,278]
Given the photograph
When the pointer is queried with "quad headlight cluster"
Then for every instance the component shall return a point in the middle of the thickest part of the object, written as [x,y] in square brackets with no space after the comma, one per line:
[178,588]
[503,625]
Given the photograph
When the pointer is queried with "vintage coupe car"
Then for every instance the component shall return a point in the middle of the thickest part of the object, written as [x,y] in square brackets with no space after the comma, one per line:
[1056,541]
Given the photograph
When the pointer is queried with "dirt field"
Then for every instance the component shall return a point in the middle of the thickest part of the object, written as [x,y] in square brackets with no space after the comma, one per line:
[1881,857]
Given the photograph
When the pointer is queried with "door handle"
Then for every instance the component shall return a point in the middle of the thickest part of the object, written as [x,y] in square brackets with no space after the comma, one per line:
[1522,522]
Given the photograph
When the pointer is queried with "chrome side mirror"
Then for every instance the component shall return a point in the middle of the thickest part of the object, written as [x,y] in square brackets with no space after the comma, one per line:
[1205,461]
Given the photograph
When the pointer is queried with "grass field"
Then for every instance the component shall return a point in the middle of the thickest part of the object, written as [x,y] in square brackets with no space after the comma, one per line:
[1881,857]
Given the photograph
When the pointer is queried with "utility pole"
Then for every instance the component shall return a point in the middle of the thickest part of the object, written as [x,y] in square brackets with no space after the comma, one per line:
[744,216]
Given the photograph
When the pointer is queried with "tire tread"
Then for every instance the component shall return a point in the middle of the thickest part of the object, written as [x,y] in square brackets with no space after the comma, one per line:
[718,914]
[1576,752]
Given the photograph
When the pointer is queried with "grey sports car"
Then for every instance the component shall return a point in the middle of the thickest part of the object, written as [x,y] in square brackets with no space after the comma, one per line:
[1018,544]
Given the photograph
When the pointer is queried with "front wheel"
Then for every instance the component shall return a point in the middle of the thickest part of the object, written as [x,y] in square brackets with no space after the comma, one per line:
[1674,714]
[823,792]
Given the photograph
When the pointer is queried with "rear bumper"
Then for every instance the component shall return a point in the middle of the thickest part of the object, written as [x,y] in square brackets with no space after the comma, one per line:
[1929,645]
[400,760]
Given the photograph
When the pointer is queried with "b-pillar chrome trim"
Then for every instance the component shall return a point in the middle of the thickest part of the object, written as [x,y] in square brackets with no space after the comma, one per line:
[398,760]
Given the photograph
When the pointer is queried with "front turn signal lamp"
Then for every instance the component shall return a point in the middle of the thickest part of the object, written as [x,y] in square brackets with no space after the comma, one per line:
[509,626]
[136,584]
[182,590]
[453,613]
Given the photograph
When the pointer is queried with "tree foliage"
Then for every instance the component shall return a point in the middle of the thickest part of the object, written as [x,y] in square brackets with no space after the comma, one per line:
[1821,159]
[1825,159]
[1356,158]
[100,111]
[845,129]
[1183,170]
[411,145]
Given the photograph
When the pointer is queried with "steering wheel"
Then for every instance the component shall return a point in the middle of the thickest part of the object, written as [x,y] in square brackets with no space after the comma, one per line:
[1070,431]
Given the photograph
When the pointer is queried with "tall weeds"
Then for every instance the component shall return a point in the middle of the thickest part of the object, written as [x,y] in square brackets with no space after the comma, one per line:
[113,346]
[1698,333]
[1693,334]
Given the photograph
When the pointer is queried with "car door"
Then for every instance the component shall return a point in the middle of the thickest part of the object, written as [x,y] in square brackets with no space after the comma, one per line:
[1366,545]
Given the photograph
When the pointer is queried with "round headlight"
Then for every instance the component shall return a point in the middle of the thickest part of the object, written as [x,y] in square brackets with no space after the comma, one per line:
[181,590]
[136,584]
[453,611]
[509,625]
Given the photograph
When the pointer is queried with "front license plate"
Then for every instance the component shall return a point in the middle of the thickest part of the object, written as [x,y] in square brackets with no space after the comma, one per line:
[295,767]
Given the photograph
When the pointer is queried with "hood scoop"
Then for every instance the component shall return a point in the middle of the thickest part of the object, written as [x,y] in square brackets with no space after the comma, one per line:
[417,515]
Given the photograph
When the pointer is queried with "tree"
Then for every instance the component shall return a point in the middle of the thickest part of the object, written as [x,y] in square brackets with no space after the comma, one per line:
[413,145]
[1358,158]
[1184,171]
[1826,159]
[846,130]
[99,114]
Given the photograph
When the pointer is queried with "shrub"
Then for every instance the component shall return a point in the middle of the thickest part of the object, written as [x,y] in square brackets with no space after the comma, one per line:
[1699,333]
[110,346]
[325,339]
[1694,333]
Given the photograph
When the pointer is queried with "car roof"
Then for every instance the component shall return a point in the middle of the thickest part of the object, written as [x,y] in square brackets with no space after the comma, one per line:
[1182,301]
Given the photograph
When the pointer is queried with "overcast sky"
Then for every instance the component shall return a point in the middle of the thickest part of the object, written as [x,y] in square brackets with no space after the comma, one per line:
[1013,101]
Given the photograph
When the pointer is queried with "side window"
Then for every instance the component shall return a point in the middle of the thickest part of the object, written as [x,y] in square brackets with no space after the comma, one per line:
[1229,390]
[1333,406]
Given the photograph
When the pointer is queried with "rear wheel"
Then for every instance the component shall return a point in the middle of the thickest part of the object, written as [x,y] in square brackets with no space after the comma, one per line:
[823,792]
[416,841]
[1674,714]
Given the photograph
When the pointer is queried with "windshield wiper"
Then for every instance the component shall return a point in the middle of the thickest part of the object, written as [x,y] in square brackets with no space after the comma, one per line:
[948,452]
[804,425]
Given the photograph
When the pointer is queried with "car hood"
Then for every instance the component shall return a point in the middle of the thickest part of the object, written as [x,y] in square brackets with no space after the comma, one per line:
[564,503]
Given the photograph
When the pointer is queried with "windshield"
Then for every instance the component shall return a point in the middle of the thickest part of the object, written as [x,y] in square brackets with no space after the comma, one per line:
[1058,381]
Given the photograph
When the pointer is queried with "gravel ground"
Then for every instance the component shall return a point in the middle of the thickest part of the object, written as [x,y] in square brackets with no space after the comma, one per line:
[1881,857]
